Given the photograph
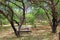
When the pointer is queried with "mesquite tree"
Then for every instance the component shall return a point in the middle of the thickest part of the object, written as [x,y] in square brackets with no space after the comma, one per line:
[50,8]
[7,11]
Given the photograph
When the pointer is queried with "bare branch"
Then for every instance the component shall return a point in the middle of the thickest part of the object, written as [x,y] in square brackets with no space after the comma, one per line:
[16,22]
[16,5]
[47,2]
[19,0]
[47,14]
[57,3]
[1,12]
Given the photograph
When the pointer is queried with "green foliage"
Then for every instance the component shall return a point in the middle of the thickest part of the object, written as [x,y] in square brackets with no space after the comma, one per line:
[41,11]
[30,18]
[58,7]
[5,22]
[3,19]
[16,18]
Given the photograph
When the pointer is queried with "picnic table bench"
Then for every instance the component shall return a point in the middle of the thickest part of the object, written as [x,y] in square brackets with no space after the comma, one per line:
[25,30]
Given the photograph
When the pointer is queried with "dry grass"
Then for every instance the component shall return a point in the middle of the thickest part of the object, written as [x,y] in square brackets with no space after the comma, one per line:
[39,33]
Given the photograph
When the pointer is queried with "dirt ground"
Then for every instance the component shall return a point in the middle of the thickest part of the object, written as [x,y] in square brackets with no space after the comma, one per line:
[39,33]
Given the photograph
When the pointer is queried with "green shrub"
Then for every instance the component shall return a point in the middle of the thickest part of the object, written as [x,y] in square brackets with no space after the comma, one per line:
[30,18]
[5,21]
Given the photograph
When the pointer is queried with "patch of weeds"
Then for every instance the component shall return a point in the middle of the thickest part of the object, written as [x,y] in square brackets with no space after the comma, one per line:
[4,28]
[44,36]
[28,37]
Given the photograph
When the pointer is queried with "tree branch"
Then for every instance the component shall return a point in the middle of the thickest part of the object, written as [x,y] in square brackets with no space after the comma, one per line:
[47,14]
[23,17]
[57,3]
[1,12]
[34,1]
[16,5]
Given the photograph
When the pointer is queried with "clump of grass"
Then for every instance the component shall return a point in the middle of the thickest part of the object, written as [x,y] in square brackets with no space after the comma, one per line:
[4,28]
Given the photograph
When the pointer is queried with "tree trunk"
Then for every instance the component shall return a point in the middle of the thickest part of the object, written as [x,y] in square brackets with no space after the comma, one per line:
[15,31]
[54,16]
[54,25]
[54,29]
